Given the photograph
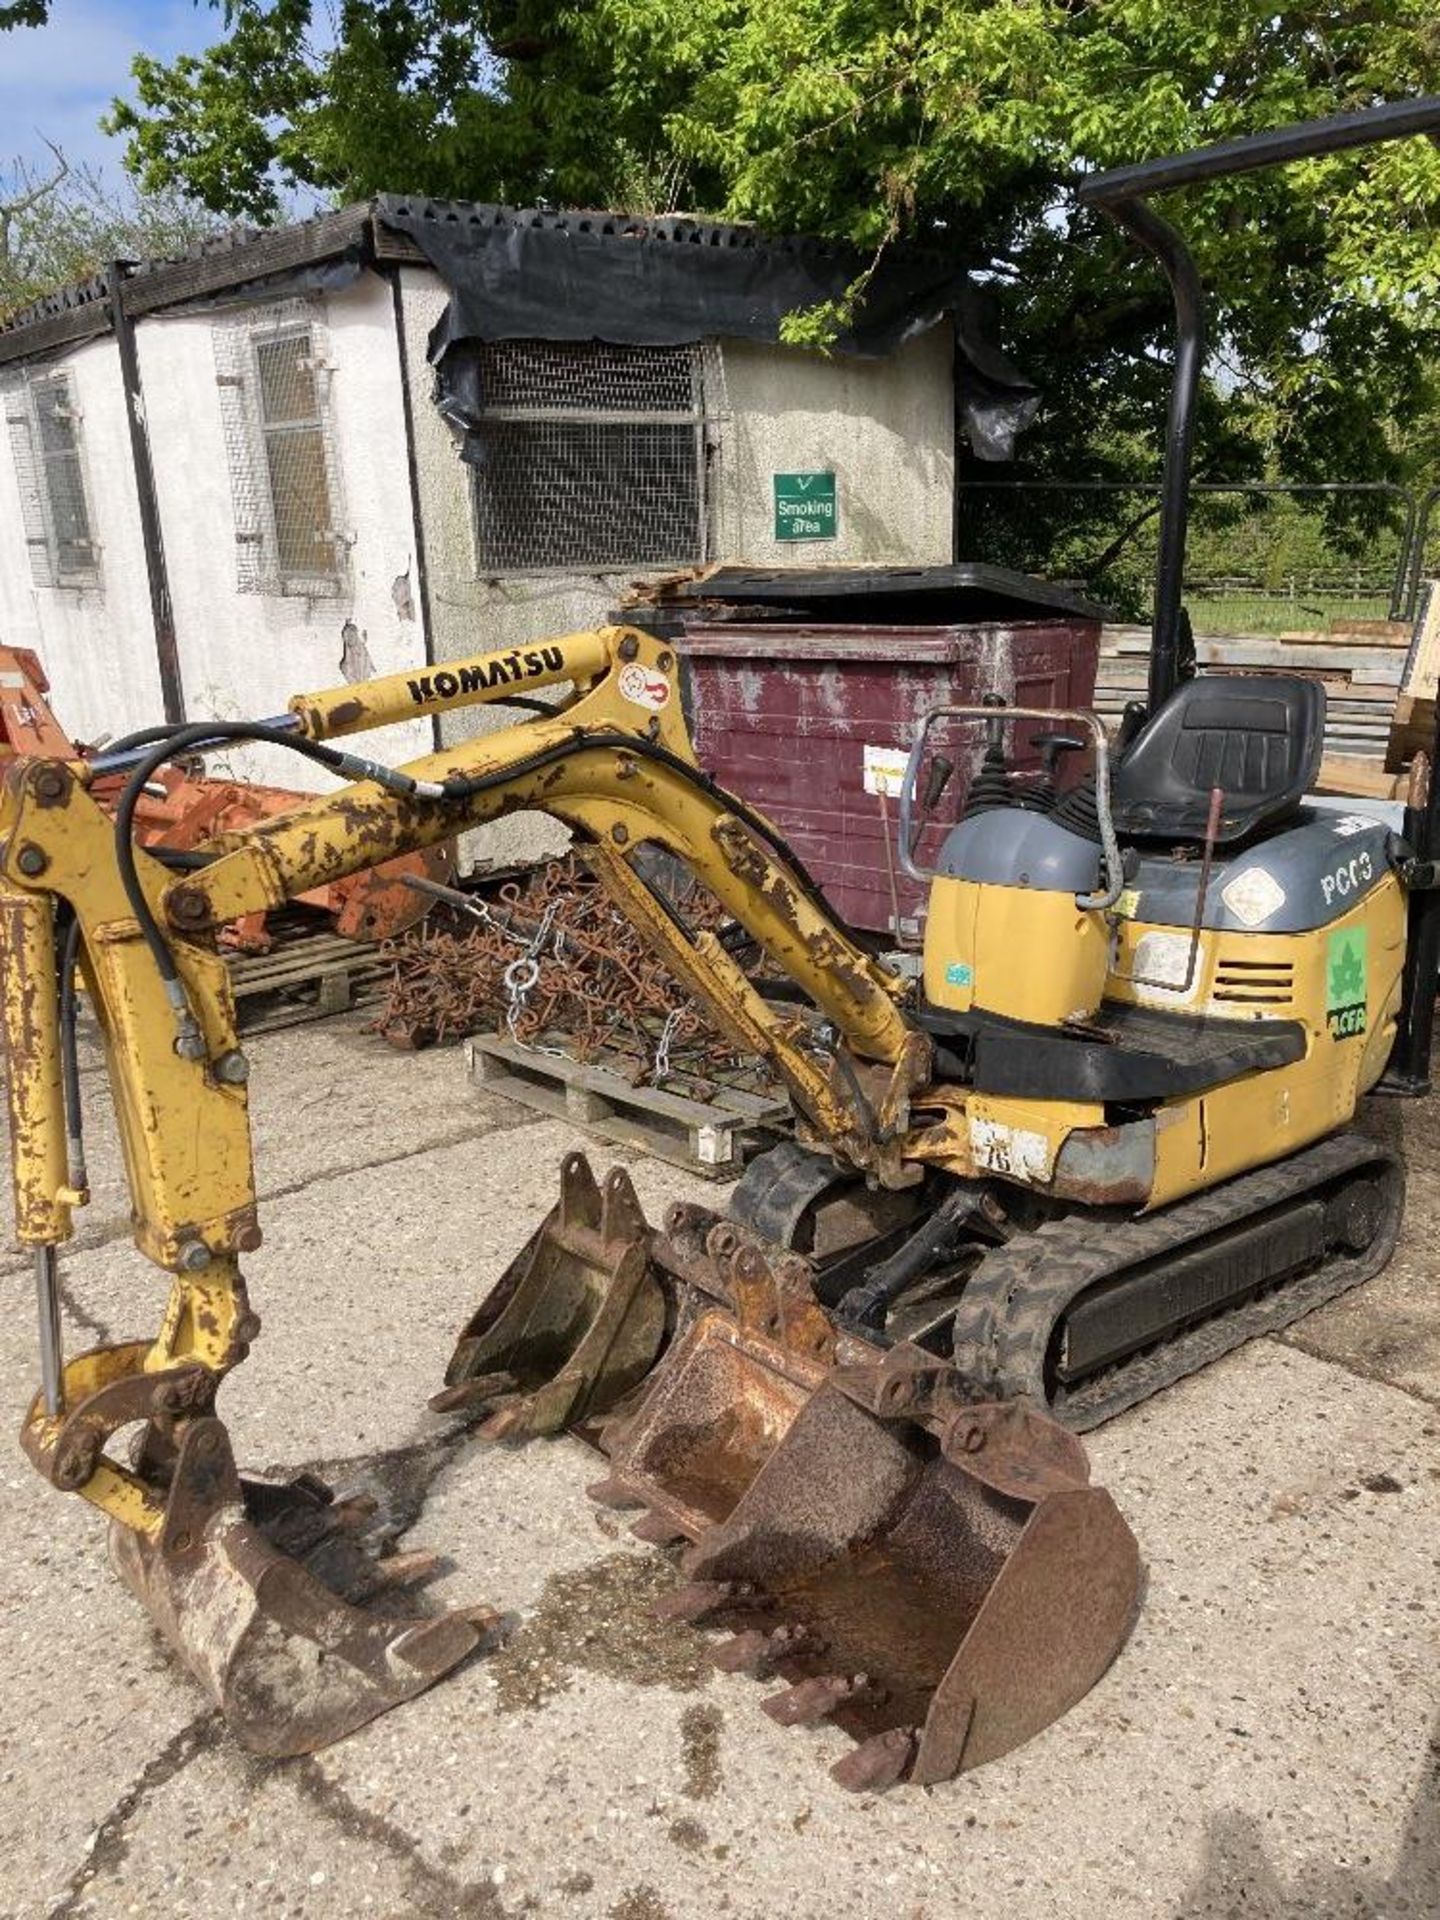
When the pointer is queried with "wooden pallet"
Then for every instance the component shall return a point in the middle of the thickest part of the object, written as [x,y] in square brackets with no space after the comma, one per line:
[306,976]
[711,1137]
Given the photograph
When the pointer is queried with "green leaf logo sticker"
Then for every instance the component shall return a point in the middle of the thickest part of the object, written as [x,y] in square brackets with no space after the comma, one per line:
[1346,983]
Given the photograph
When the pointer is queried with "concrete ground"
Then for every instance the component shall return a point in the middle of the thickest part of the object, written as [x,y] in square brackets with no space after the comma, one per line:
[1267,1743]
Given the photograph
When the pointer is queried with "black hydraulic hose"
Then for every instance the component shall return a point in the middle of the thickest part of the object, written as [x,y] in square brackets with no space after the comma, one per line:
[459,787]
[70,1055]
[183,859]
[175,743]
[352,766]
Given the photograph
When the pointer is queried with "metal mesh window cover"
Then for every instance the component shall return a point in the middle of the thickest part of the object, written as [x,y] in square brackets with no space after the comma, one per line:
[279,445]
[44,429]
[594,456]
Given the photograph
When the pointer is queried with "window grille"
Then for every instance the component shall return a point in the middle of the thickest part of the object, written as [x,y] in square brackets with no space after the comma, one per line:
[594,456]
[44,428]
[273,382]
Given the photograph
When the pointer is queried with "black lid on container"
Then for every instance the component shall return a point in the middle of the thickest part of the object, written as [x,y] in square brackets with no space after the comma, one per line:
[964,594]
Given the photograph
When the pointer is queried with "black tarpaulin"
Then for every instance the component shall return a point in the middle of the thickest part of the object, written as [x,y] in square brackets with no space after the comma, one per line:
[665,282]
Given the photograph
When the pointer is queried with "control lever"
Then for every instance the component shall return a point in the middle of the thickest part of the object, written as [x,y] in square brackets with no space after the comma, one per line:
[936,781]
[1046,790]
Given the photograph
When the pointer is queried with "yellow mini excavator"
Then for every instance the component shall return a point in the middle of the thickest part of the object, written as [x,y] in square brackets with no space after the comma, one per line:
[1102,1142]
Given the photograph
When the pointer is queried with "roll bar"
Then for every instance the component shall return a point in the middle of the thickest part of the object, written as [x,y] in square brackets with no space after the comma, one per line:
[1121,193]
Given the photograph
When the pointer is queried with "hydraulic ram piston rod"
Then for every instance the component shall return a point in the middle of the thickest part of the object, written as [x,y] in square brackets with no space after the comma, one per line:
[47,1301]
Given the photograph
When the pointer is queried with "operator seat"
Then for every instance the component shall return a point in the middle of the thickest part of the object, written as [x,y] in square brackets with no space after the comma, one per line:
[1259,739]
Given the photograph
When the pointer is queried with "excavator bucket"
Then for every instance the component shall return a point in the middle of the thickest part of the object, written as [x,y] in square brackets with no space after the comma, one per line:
[935,1576]
[940,1596]
[265,1593]
[574,1322]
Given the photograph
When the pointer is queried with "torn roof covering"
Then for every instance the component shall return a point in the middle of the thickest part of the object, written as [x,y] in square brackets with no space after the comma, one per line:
[671,280]
[525,274]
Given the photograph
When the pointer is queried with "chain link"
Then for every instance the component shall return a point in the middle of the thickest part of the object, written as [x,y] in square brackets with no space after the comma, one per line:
[552,958]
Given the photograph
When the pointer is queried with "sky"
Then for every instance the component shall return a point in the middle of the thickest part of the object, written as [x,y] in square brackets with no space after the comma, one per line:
[56,80]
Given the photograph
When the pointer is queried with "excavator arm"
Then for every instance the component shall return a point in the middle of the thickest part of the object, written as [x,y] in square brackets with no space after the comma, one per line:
[758,1401]
[613,762]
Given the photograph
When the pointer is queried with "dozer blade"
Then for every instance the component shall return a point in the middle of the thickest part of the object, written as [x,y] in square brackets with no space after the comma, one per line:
[253,1584]
[573,1324]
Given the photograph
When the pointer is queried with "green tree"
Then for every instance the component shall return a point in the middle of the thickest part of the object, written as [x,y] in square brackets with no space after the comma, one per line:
[958,123]
[61,223]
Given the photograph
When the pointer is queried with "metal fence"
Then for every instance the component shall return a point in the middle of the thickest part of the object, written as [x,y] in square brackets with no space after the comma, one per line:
[1263,556]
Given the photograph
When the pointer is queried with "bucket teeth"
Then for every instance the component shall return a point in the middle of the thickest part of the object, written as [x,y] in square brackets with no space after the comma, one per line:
[355,1511]
[810,1701]
[615,1493]
[657,1530]
[701,1600]
[877,1763]
[757,1652]
[471,1395]
[505,1419]
[411,1569]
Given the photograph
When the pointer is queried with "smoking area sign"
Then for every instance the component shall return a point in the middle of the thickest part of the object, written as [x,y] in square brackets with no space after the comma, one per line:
[805,506]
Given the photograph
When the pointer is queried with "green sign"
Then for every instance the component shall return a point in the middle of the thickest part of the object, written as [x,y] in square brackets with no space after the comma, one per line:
[1346,983]
[805,506]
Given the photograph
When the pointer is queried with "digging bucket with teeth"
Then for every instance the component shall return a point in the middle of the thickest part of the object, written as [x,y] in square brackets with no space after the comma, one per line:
[263,1588]
[935,1576]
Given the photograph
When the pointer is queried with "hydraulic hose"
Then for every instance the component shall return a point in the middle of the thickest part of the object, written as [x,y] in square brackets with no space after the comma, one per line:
[350,766]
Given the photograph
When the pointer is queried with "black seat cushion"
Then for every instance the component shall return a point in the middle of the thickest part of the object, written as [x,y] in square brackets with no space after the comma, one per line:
[1259,739]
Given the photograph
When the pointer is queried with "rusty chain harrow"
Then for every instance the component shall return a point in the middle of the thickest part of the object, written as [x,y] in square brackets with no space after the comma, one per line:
[551,963]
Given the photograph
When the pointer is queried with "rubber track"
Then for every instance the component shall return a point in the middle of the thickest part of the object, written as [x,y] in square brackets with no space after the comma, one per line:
[1021,1291]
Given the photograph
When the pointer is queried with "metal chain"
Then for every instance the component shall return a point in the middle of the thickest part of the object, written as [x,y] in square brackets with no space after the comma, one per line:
[660,1066]
[552,957]
[522,973]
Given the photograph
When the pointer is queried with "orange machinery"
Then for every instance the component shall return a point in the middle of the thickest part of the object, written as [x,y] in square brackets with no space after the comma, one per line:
[183,808]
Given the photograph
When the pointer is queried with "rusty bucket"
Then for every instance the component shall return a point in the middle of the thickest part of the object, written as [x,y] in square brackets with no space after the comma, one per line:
[936,1576]
[264,1592]
[942,1597]
[576,1320]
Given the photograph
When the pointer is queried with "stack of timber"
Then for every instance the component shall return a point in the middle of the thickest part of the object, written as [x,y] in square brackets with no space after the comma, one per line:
[1413,730]
[1359,665]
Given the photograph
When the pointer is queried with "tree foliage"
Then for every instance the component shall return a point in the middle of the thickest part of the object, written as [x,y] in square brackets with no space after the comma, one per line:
[962,123]
[61,223]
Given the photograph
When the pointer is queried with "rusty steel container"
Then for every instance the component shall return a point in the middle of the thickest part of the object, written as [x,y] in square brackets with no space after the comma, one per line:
[803,688]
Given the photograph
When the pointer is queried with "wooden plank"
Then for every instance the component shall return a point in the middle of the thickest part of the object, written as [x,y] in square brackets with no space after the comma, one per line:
[1362,778]
[1422,666]
[1413,731]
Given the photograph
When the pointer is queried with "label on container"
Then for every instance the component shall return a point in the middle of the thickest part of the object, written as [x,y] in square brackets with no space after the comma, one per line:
[885,770]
